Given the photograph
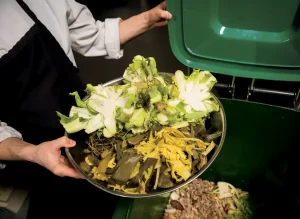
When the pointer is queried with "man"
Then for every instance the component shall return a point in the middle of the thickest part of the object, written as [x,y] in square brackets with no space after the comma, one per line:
[38,71]
[38,68]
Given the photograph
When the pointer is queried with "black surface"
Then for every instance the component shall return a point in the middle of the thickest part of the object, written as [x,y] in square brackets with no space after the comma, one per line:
[57,197]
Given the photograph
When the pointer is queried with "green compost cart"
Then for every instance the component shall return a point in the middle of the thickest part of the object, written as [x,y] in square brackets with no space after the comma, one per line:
[258,39]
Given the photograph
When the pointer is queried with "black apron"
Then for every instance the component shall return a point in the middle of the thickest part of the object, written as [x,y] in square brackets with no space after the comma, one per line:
[38,79]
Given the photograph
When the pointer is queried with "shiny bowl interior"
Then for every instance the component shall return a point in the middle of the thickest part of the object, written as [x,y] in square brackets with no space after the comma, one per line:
[76,156]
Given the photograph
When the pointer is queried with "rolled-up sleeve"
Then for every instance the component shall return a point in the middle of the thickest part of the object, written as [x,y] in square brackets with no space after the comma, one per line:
[8,132]
[90,37]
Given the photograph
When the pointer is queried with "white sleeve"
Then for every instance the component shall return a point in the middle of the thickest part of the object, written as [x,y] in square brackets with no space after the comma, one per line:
[8,132]
[90,37]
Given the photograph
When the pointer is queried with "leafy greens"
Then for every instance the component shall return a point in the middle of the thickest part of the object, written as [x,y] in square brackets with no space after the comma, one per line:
[144,99]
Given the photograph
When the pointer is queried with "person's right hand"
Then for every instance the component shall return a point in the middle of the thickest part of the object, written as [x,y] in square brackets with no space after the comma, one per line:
[158,16]
[48,155]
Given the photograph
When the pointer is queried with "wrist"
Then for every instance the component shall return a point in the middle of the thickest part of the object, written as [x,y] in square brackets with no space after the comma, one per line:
[16,149]
[146,20]
[29,153]
[133,27]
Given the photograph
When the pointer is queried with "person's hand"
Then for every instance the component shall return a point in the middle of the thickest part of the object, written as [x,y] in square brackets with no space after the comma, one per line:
[158,16]
[48,155]
[139,24]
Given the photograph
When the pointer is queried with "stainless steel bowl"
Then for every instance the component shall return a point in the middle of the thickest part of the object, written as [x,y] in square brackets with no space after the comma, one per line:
[76,155]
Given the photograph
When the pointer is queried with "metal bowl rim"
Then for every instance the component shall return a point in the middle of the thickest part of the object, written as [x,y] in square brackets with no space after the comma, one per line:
[153,194]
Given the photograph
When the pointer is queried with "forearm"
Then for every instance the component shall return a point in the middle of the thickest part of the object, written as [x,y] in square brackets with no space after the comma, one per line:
[133,27]
[95,38]
[16,149]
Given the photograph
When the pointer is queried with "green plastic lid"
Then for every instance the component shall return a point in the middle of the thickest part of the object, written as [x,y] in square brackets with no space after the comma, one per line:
[254,39]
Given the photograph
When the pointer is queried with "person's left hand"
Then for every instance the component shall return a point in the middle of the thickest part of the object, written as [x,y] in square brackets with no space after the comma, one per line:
[48,155]
[158,16]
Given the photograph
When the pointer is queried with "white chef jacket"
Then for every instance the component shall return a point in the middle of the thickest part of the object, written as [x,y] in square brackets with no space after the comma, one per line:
[72,25]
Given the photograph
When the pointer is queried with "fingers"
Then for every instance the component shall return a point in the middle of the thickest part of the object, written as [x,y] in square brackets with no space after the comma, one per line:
[162,23]
[64,160]
[64,170]
[163,13]
[158,16]
[63,142]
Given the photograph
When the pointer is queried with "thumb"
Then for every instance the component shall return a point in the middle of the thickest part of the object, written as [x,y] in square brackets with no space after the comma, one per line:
[165,15]
[63,142]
